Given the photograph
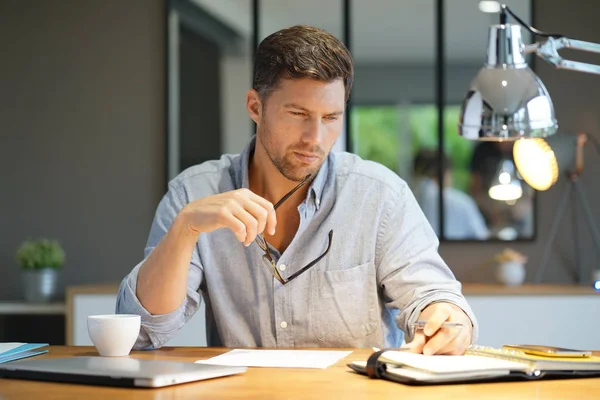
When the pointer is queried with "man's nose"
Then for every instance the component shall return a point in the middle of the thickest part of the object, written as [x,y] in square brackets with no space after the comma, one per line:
[313,132]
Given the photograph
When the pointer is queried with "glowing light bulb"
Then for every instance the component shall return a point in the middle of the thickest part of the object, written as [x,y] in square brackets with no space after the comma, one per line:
[489,6]
[504,178]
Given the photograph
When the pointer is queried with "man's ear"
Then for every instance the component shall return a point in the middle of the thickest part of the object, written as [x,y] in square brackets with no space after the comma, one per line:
[254,105]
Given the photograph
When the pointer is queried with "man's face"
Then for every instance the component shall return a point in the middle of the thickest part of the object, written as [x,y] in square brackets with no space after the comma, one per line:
[299,123]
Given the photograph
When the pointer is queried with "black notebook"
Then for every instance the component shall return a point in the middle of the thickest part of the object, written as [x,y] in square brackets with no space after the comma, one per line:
[479,364]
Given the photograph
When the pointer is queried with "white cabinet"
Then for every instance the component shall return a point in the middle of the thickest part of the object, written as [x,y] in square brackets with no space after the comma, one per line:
[94,300]
[563,316]
[567,320]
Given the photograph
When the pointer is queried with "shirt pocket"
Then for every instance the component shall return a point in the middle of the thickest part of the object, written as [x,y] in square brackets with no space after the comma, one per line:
[343,304]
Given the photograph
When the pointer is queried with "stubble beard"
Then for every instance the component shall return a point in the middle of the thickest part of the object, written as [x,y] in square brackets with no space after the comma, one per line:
[286,165]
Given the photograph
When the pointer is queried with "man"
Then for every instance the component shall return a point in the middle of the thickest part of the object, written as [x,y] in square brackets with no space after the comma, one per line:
[462,218]
[344,259]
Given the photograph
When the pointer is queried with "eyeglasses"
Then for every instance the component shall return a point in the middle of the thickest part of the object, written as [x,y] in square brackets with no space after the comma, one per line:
[268,259]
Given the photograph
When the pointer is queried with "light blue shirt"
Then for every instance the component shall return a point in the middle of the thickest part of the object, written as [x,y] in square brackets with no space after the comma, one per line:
[382,269]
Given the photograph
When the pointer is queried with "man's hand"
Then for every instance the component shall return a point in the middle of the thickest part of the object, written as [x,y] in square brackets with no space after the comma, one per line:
[435,339]
[243,212]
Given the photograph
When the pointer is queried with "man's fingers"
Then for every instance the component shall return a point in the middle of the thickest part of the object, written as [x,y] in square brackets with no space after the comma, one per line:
[456,346]
[442,339]
[416,345]
[439,340]
[271,222]
[436,320]
[259,214]
[249,222]
[235,225]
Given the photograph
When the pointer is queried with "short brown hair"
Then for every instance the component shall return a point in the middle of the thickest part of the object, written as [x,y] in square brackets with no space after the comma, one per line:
[301,52]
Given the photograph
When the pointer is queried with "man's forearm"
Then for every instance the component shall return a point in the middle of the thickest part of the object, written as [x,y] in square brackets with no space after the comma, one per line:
[162,279]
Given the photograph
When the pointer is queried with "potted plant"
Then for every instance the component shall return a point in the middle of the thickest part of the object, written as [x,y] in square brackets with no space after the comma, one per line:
[510,269]
[40,261]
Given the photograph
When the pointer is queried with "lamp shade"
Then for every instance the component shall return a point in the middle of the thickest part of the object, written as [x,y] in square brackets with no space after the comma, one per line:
[506,186]
[506,100]
[541,161]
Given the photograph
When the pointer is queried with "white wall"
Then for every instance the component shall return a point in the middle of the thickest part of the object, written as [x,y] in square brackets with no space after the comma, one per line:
[570,321]
[82,98]
[236,79]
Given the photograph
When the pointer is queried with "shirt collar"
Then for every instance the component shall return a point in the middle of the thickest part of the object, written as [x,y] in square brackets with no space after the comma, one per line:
[316,186]
[242,180]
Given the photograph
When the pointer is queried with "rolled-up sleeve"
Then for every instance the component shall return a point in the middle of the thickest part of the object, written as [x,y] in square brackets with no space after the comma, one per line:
[156,330]
[410,271]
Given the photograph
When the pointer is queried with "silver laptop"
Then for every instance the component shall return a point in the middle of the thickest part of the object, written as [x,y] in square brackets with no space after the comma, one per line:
[117,371]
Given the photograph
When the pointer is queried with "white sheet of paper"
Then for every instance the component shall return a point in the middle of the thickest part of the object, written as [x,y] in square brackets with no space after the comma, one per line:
[4,347]
[278,358]
[441,364]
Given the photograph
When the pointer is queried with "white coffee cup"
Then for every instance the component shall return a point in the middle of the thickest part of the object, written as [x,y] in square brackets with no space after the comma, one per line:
[114,335]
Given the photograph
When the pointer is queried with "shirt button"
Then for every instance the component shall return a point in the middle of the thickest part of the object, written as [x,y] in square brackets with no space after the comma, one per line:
[282,267]
[318,202]
[283,324]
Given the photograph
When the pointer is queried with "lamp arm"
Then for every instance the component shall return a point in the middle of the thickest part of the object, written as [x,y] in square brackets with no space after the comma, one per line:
[549,52]
[549,49]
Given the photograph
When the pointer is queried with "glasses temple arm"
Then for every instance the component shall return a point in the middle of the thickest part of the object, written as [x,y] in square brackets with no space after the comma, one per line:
[315,261]
[287,196]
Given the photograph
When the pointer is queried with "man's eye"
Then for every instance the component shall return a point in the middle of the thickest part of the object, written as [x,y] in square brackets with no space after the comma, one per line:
[332,118]
[297,113]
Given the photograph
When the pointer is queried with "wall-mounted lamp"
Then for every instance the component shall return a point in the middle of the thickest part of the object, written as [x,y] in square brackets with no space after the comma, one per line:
[507,100]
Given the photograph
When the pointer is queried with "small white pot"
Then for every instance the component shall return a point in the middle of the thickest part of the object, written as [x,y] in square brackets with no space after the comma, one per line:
[596,276]
[511,273]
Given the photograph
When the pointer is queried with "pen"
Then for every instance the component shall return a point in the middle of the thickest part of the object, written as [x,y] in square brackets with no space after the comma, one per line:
[421,324]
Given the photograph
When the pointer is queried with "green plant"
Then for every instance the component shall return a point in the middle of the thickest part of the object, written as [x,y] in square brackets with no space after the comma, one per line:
[389,134]
[40,254]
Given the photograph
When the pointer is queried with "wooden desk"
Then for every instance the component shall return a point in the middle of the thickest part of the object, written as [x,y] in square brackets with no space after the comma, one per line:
[336,382]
